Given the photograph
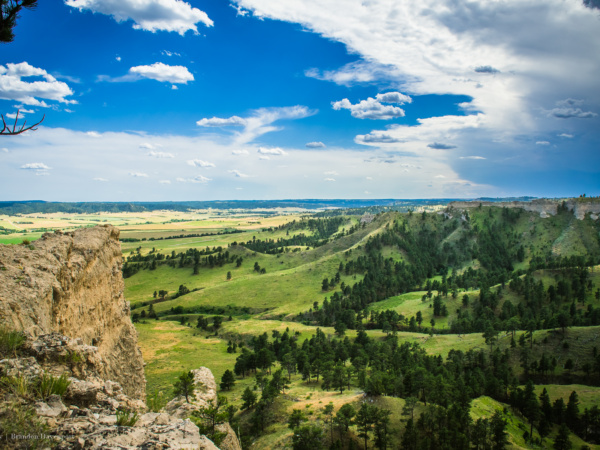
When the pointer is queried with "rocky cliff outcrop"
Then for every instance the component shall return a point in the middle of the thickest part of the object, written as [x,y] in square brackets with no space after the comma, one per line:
[544,207]
[71,284]
[65,294]
[91,413]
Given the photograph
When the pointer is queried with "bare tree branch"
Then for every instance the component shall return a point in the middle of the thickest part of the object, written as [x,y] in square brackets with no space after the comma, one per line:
[6,131]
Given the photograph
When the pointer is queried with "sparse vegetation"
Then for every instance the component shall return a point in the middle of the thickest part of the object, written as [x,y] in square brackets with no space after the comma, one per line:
[47,385]
[126,418]
[10,342]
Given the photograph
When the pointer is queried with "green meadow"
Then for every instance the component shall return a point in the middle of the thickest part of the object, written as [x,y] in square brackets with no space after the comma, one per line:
[273,302]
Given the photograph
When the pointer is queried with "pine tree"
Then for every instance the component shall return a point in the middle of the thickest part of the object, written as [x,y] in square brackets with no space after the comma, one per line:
[227,380]
[382,428]
[410,436]
[344,419]
[185,385]
[296,418]
[365,418]
[308,437]
[328,413]
[562,441]
[10,10]
[545,405]
[531,407]
[209,417]
[249,398]
[572,413]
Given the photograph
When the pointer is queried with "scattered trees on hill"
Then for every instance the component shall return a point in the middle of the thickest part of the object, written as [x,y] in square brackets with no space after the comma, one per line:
[402,369]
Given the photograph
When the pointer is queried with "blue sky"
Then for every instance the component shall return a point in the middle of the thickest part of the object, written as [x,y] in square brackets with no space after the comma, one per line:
[259,99]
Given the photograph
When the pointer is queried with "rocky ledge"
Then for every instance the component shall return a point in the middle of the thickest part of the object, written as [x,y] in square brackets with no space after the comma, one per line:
[93,413]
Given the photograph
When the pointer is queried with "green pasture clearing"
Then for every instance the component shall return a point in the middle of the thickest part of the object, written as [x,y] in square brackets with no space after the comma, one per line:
[161,233]
[284,289]
[438,344]
[291,285]
[580,340]
[12,239]
[276,436]
[485,407]
[410,303]
[575,239]
[588,395]
[254,327]
[169,349]
[182,244]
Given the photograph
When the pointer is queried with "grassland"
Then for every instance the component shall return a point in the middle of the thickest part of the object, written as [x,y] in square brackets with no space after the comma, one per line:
[264,303]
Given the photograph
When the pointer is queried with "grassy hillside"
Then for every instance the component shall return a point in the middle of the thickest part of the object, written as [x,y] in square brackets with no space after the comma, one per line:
[486,257]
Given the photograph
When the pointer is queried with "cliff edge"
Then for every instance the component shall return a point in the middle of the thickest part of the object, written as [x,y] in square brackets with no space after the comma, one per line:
[543,206]
[71,284]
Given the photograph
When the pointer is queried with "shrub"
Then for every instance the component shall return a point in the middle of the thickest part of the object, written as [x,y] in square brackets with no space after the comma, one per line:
[126,418]
[10,341]
[48,385]
[72,358]
[19,386]
[156,401]
[16,418]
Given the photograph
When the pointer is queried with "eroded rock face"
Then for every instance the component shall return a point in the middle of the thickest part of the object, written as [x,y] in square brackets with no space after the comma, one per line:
[71,283]
[544,207]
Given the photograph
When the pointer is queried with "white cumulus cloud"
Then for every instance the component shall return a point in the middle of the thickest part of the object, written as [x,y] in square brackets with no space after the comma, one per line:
[373,108]
[102,180]
[219,122]
[149,15]
[436,129]
[163,72]
[238,174]
[35,166]
[271,151]
[164,181]
[315,145]
[138,174]
[14,87]
[199,163]
[21,112]
[161,154]
[510,57]
[196,179]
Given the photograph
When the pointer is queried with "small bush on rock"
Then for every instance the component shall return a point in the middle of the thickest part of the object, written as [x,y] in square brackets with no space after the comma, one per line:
[126,418]
[48,385]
